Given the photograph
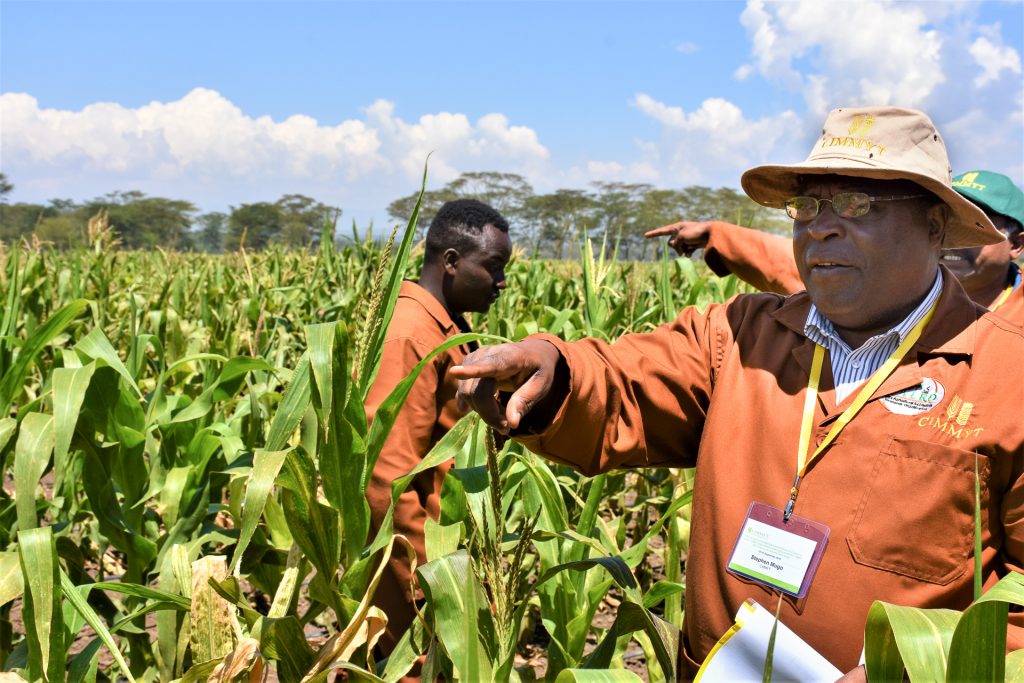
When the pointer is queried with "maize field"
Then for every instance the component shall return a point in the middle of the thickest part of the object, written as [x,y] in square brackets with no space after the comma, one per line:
[185,457]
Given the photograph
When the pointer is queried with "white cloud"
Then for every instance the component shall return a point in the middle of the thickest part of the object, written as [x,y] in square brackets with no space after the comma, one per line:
[203,133]
[716,142]
[933,56]
[993,60]
[839,52]
[206,148]
[687,47]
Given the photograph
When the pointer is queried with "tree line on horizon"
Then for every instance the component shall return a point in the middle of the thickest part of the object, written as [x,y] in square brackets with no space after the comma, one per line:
[546,225]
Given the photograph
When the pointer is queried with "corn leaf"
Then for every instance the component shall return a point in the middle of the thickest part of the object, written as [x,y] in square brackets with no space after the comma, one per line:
[633,617]
[212,619]
[660,591]
[8,425]
[1009,589]
[977,651]
[635,553]
[292,408]
[69,387]
[320,339]
[13,381]
[180,602]
[1015,666]
[313,525]
[410,646]
[11,579]
[95,345]
[85,664]
[283,641]
[99,487]
[591,676]
[462,619]
[366,624]
[265,468]
[41,610]
[77,599]
[31,456]
[907,637]
[614,565]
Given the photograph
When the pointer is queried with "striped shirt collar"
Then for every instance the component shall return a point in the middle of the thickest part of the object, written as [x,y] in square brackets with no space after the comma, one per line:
[850,367]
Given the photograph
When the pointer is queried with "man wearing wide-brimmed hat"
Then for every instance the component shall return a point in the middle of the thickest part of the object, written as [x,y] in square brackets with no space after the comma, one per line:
[838,428]
[988,274]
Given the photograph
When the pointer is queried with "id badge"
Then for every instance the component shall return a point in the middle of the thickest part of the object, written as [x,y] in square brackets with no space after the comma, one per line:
[781,555]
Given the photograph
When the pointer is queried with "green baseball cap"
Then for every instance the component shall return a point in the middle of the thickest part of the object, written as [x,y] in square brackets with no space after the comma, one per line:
[993,191]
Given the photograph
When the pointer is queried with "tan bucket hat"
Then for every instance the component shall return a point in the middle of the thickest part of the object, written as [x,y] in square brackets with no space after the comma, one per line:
[879,142]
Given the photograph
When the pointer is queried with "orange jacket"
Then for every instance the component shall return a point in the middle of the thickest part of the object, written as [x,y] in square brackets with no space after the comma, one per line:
[420,323]
[724,391]
[754,256]
[766,262]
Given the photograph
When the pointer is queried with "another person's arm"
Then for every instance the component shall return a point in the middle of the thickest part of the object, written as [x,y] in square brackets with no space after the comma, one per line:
[760,259]
[597,406]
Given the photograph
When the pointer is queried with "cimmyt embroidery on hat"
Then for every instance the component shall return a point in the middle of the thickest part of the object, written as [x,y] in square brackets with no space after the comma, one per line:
[857,129]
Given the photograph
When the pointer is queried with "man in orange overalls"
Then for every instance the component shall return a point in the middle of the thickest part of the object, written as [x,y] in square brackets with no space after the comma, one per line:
[467,249]
[988,274]
[861,406]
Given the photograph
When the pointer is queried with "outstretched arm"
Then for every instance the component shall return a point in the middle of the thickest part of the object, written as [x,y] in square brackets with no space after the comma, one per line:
[639,402]
[756,257]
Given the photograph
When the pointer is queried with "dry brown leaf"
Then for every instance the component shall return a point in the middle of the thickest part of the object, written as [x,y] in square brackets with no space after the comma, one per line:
[243,665]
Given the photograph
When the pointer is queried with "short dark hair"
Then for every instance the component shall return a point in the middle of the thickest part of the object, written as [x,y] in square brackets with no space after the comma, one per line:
[459,224]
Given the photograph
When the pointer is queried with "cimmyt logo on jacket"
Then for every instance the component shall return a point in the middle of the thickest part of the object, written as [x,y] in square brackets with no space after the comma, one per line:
[959,411]
[958,414]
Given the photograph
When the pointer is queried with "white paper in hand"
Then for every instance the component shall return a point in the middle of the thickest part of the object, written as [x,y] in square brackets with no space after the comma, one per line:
[740,653]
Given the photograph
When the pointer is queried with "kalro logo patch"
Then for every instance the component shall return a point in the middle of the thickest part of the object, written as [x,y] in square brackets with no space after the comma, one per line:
[918,400]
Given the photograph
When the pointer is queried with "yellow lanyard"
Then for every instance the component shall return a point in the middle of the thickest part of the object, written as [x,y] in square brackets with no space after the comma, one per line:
[1002,298]
[875,381]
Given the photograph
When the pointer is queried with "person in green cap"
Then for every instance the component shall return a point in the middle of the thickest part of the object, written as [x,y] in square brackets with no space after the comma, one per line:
[988,274]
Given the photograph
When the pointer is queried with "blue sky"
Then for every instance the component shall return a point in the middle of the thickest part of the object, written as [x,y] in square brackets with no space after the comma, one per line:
[230,102]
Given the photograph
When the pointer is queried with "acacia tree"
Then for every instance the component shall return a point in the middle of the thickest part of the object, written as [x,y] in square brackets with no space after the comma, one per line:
[210,235]
[259,223]
[553,218]
[143,222]
[506,192]
[302,219]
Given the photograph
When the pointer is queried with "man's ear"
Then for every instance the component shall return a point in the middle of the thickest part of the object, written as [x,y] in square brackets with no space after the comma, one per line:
[450,259]
[1016,244]
[938,218]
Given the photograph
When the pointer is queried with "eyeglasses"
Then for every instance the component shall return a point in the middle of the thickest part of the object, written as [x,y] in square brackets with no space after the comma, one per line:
[845,204]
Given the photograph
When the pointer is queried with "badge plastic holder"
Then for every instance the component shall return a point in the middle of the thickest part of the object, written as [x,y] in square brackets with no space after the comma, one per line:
[798,526]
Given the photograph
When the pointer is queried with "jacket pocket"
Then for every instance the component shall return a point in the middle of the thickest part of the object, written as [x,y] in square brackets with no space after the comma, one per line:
[916,517]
